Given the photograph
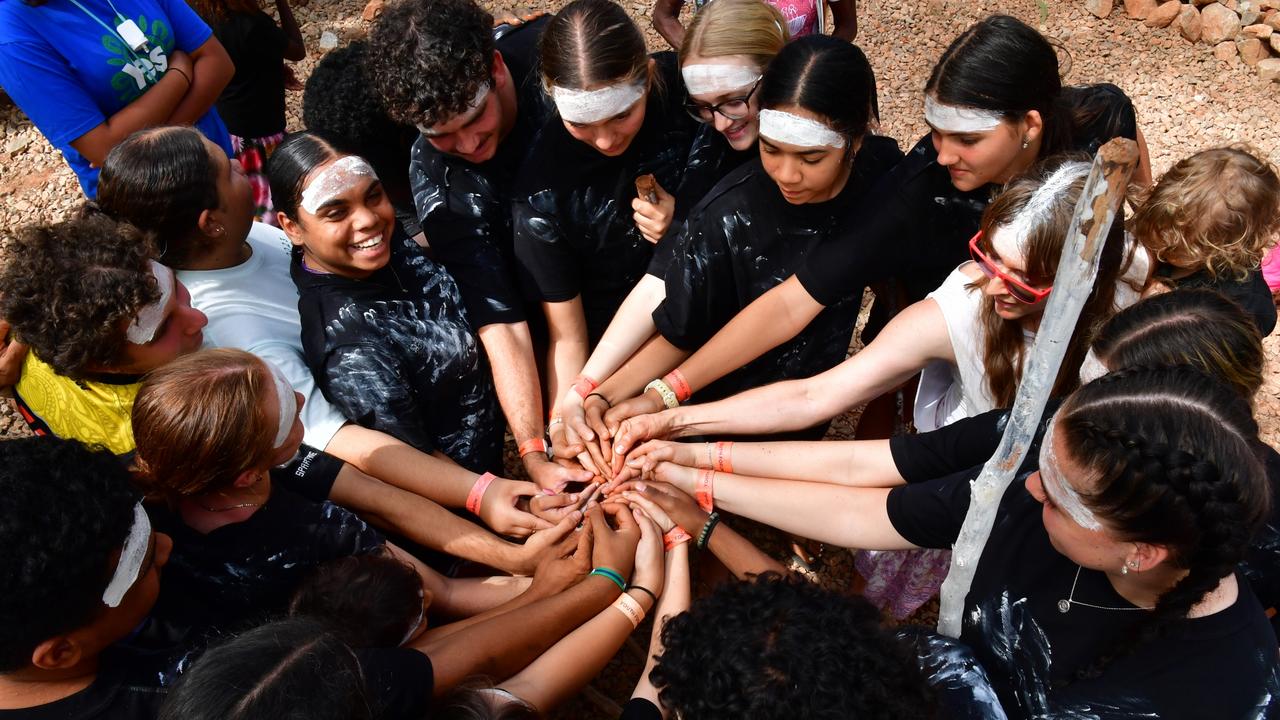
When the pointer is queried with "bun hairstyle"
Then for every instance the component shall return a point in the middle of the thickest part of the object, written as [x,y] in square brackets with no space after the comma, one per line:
[1005,347]
[826,76]
[753,28]
[1172,451]
[199,423]
[1195,327]
[591,43]
[160,180]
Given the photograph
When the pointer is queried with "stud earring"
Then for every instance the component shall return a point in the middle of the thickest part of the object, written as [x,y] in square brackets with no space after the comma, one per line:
[1124,569]
[1026,142]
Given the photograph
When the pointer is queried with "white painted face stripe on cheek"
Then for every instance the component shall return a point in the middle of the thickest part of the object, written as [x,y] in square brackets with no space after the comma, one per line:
[955,119]
[132,554]
[784,127]
[143,328]
[588,106]
[702,79]
[1059,489]
[336,178]
[287,403]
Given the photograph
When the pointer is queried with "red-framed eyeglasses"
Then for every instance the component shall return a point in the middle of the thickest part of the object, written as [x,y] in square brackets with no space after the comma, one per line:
[1019,289]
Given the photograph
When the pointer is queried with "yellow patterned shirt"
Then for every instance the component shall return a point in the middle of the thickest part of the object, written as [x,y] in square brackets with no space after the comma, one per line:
[91,411]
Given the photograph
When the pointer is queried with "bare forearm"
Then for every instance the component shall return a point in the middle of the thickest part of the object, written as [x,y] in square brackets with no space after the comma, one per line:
[631,326]
[296,49]
[856,463]
[654,360]
[481,597]
[392,461]
[677,595]
[773,408]
[774,318]
[740,555]
[212,69]
[515,377]
[153,108]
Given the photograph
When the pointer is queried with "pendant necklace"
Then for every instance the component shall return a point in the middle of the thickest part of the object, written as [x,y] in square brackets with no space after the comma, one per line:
[1064,605]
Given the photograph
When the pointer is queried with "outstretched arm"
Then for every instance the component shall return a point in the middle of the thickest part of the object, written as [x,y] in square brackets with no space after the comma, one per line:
[856,463]
[676,598]
[666,20]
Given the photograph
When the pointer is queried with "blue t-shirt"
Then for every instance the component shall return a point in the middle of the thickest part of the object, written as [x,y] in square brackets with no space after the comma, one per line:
[68,70]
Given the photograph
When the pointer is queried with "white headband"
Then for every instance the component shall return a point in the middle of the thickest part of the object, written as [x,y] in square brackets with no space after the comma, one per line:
[337,177]
[954,119]
[1092,368]
[132,554]
[1059,490]
[476,101]
[1010,239]
[796,130]
[588,106]
[143,328]
[706,79]
[285,400]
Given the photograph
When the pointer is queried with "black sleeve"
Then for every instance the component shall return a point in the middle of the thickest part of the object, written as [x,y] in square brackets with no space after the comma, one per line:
[640,709]
[542,248]
[311,473]
[701,293]
[877,237]
[962,444]
[399,681]
[929,514]
[461,236]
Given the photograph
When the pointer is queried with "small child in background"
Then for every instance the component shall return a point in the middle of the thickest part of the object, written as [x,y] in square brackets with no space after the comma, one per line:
[252,105]
[368,601]
[1209,221]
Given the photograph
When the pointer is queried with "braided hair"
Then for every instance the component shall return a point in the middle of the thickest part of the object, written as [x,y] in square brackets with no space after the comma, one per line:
[1172,451]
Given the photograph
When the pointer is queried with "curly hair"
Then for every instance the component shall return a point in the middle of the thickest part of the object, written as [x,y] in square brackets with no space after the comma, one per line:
[291,668]
[781,647]
[1218,210]
[64,510]
[1174,456]
[340,102]
[429,59]
[70,289]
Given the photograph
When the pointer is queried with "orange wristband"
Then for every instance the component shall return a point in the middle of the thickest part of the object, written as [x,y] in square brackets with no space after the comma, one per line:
[533,445]
[675,380]
[674,537]
[477,492]
[724,455]
[584,385]
[631,608]
[704,491]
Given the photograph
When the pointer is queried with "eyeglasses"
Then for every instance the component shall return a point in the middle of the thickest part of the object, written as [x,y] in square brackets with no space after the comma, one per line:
[731,109]
[1019,289]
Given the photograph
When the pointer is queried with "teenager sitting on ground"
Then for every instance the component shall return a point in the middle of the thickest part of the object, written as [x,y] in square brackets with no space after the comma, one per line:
[177,187]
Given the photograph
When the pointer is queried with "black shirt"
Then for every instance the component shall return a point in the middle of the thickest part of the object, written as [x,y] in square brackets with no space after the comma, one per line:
[914,226]
[1252,293]
[465,208]
[1221,666]
[399,682]
[743,239]
[571,209]
[252,104]
[246,571]
[396,353]
[131,685]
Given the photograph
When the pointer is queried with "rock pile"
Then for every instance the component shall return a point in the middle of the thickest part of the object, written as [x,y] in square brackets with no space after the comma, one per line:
[1236,30]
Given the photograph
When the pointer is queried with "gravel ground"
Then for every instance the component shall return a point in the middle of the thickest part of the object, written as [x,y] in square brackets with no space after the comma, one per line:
[1186,100]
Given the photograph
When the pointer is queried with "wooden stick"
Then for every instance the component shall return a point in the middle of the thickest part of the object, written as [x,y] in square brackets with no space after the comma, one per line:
[1077,271]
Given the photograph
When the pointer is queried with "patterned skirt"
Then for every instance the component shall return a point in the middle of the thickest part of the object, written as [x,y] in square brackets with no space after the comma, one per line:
[252,154]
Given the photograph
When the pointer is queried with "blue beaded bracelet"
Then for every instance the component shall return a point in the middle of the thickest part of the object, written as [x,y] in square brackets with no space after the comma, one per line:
[613,575]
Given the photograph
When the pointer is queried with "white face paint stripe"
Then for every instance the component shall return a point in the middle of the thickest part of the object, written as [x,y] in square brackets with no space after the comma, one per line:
[588,106]
[336,178]
[784,127]
[1092,368]
[705,79]
[143,328]
[132,554]
[956,119]
[470,113]
[1010,239]
[286,401]
[1060,491]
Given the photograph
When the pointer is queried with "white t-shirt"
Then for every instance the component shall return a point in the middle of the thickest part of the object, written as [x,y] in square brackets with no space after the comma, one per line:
[254,307]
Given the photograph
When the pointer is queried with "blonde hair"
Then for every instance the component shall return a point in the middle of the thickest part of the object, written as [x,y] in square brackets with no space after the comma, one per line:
[200,421]
[1219,208]
[736,27]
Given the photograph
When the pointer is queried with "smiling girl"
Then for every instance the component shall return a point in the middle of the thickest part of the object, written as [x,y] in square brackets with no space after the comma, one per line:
[383,327]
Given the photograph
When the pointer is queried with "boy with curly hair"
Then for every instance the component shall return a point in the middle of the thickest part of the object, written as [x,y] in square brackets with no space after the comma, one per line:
[473,93]
[80,571]
[97,312]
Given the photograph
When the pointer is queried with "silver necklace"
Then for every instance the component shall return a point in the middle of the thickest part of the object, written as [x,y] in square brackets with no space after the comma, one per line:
[1064,605]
